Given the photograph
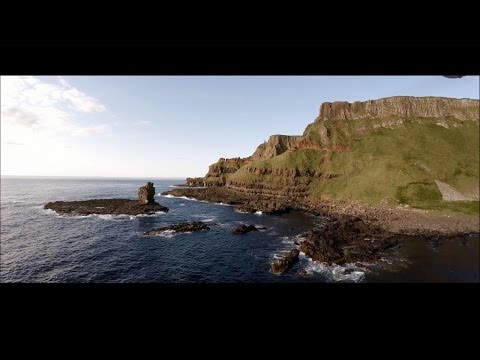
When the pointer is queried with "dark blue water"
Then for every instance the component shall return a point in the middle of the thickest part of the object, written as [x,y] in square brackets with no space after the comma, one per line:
[38,245]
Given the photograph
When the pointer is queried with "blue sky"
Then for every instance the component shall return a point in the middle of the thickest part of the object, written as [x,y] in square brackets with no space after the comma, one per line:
[172,126]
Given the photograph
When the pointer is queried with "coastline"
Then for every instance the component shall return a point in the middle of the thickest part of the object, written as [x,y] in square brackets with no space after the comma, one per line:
[398,221]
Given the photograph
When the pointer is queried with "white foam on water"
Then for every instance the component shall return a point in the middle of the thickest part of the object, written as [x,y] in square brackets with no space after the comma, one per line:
[101,216]
[209,219]
[50,211]
[241,212]
[336,273]
[167,196]
[260,227]
[181,204]
[258,212]
[167,233]
[220,203]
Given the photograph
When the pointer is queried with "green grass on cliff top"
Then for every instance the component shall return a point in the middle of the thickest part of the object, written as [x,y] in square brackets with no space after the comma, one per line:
[388,167]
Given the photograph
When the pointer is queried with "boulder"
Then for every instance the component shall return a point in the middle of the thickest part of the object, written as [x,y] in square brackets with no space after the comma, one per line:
[243,229]
[282,265]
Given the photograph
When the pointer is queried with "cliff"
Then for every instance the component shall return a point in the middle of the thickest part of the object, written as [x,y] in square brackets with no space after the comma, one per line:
[276,145]
[401,106]
[386,152]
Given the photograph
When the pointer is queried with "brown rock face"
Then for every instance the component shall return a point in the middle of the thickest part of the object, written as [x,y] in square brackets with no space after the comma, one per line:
[146,193]
[402,106]
[276,145]
[195,182]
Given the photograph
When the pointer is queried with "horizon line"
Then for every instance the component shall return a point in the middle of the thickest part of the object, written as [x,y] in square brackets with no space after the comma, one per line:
[95,176]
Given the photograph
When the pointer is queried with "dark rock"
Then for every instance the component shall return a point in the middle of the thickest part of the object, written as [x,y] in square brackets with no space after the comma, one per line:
[104,207]
[243,229]
[282,265]
[179,228]
[145,205]
[146,193]
[346,240]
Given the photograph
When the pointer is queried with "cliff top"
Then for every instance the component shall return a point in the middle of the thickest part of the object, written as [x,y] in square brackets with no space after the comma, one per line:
[404,106]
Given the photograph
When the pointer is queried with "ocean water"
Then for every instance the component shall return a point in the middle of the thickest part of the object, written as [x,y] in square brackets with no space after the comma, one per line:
[39,245]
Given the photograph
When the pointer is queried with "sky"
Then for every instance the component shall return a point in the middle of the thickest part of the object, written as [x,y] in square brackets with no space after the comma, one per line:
[172,126]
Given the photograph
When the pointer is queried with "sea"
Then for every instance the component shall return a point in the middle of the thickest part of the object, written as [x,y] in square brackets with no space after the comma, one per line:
[40,246]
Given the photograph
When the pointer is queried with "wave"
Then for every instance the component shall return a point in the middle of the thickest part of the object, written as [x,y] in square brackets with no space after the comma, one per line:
[258,212]
[102,216]
[241,212]
[335,273]
[170,196]
[170,233]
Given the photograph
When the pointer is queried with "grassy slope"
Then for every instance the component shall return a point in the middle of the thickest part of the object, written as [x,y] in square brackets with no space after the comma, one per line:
[392,166]
[387,166]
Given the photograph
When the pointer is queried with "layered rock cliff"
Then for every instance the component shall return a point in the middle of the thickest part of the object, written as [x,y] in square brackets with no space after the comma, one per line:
[276,145]
[387,151]
[401,106]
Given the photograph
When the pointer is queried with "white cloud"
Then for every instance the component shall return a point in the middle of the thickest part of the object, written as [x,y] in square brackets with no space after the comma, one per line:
[88,131]
[28,102]
[80,101]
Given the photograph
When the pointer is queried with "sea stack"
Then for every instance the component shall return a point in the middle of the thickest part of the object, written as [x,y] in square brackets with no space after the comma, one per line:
[146,193]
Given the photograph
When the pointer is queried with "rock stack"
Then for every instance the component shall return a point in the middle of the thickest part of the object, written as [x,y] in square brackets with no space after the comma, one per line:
[146,193]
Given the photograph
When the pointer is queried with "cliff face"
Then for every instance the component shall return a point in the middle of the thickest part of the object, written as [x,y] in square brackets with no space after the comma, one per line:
[218,172]
[276,145]
[401,106]
[386,151]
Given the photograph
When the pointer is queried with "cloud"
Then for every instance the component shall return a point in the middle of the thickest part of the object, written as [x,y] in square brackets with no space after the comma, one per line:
[89,131]
[22,117]
[80,101]
[27,101]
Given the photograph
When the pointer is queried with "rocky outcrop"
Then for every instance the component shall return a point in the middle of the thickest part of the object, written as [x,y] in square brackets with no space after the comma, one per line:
[146,193]
[144,205]
[401,106]
[225,166]
[105,207]
[178,228]
[195,182]
[243,229]
[346,240]
[282,265]
[276,145]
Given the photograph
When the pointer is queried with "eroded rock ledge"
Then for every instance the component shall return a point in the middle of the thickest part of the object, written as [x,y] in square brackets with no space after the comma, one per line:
[178,228]
[144,205]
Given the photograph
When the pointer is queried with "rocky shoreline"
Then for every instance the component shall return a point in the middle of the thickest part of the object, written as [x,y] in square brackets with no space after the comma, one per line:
[348,232]
[399,221]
